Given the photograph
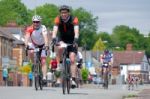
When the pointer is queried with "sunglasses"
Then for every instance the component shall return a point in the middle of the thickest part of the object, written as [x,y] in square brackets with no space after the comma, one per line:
[36,21]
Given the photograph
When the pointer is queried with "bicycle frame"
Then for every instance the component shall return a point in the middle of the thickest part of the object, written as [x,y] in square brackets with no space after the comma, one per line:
[37,68]
[105,75]
[66,70]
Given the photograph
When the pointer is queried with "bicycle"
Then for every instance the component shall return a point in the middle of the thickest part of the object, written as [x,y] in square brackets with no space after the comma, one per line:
[38,82]
[105,71]
[66,82]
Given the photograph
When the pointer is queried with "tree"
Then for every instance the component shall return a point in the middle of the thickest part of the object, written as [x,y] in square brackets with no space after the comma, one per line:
[106,39]
[88,27]
[13,10]
[99,45]
[48,12]
[123,35]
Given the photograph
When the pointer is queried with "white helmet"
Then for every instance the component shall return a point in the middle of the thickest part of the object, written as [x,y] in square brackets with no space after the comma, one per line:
[36,18]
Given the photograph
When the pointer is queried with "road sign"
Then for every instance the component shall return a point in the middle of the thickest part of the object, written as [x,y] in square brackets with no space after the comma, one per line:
[5,61]
[13,63]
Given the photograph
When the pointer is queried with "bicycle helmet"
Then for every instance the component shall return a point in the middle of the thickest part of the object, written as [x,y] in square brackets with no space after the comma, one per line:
[106,51]
[64,7]
[36,18]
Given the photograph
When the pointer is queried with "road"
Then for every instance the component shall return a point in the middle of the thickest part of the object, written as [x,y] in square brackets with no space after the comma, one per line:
[86,92]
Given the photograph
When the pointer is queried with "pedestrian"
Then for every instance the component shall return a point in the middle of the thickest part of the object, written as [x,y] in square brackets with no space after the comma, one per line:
[5,76]
[30,76]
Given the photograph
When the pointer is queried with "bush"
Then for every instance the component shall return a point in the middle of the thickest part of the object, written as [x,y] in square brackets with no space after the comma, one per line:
[57,74]
[84,72]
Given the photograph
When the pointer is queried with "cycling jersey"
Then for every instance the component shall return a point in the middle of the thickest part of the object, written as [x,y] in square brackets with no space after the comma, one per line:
[106,58]
[66,29]
[53,64]
[79,59]
[37,35]
[79,56]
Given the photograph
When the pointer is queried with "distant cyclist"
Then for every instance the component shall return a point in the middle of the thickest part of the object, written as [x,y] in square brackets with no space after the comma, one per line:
[36,36]
[106,57]
[67,27]
[106,60]
[79,59]
[79,65]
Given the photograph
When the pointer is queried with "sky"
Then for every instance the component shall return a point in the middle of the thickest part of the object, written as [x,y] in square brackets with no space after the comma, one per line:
[133,13]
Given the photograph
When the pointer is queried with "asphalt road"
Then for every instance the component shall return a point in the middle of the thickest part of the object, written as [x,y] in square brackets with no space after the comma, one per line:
[86,92]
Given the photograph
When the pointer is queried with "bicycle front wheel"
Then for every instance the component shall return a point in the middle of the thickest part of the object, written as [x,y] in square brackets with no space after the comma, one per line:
[36,82]
[68,77]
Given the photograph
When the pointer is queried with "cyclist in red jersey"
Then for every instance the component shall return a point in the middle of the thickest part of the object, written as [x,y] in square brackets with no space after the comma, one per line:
[67,27]
[36,36]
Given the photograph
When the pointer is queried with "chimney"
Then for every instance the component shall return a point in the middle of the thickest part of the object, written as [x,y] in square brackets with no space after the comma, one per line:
[11,24]
[129,47]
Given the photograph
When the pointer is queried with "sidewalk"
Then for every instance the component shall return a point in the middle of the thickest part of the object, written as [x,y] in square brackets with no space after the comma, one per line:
[141,92]
[144,94]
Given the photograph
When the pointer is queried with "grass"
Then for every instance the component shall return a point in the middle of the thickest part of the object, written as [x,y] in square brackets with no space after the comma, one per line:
[129,96]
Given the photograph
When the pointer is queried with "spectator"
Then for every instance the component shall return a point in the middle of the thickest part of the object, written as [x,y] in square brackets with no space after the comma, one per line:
[5,76]
[30,76]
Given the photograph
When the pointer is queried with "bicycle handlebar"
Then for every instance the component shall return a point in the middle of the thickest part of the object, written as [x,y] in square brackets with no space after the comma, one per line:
[35,50]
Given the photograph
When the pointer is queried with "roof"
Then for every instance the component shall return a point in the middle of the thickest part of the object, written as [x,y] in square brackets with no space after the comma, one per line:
[14,30]
[7,34]
[9,31]
[127,57]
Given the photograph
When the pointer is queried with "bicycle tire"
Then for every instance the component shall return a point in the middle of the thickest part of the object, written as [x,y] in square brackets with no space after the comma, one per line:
[68,78]
[40,76]
[64,85]
[40,82]
[36,82]
[64,80]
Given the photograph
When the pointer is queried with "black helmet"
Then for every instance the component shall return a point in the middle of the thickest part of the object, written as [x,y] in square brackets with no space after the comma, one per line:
[64,7]
[106,51]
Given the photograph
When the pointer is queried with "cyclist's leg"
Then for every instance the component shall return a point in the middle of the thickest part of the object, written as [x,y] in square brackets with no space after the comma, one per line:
[59,52]
[72,55]
[43,63]
[73,68]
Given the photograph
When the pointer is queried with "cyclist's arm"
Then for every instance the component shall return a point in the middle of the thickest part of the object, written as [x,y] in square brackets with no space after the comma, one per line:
[28,32]
[45,35]
[27,37]
[55,28]
[54,32]
[76,27]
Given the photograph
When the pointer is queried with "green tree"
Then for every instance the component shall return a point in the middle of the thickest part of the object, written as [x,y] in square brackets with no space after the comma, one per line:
[13,10]
[106,39]
[88,27]
[48,12]
[123,35]
[99,45]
